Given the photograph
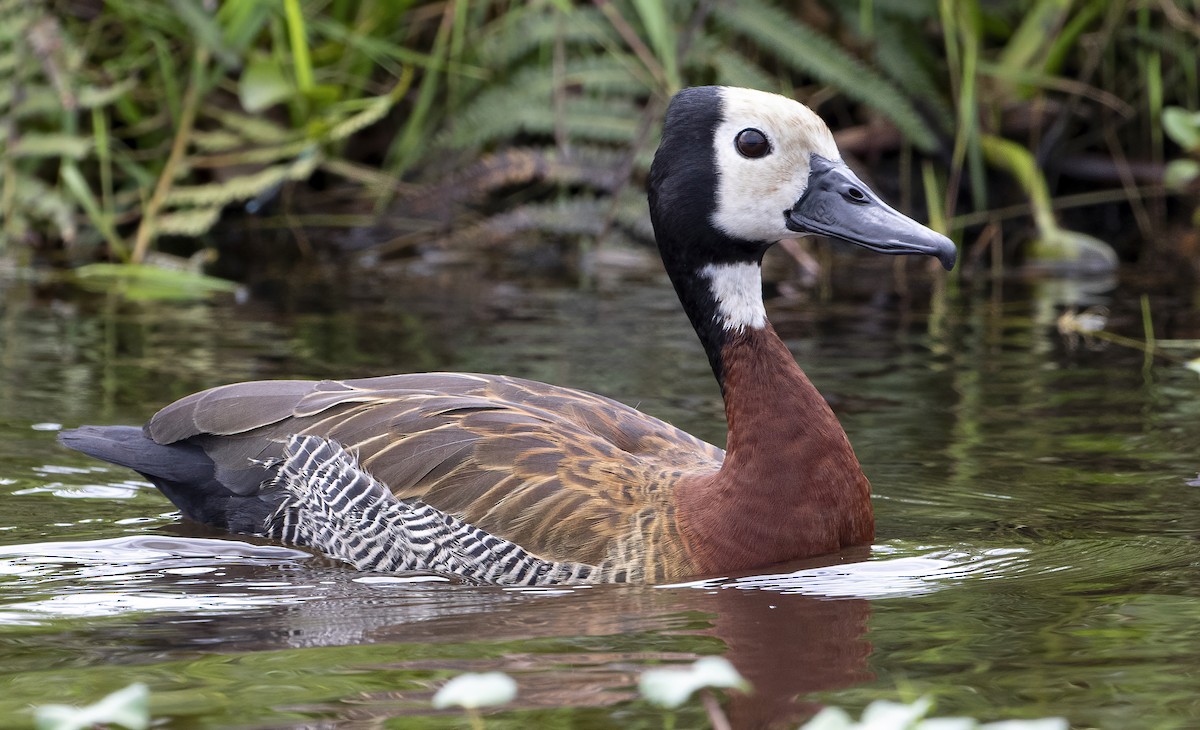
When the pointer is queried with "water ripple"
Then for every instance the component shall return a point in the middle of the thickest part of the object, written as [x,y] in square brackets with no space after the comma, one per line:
[138,573]
[1067,565]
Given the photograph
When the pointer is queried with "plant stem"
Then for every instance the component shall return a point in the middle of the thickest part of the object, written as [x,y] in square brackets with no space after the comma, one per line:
[715,714]
[187,118]
[474,718]
[1148,328]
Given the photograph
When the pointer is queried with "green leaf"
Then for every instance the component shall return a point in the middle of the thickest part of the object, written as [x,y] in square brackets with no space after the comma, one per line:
[298,38]
[263,84]
[90,97]
[193,222]
[69,146]
[145,282]
[1040,25]
[205,30]
[662,35]
[734,69]
[803,48]
[251,128]
[1182,126]
[1180,173]
[243,187]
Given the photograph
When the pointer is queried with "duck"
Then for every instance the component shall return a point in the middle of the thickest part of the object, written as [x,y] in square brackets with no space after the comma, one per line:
[497,479]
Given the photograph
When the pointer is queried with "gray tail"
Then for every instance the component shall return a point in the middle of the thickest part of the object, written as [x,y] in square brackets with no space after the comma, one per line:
[333,505]
[181,471]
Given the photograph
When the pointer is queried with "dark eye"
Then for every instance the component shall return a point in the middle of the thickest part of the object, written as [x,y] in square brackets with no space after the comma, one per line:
[752,143]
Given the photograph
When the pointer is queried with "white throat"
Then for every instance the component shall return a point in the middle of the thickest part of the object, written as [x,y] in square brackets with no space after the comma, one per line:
[738,291]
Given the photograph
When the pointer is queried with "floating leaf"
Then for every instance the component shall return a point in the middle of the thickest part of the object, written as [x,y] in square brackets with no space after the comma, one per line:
[129,708]
[474,690]
[885,715]
[670,688]
[830,718]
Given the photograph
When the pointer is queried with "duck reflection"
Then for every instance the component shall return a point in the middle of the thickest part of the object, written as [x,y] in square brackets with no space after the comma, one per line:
[585,648]
[787,633]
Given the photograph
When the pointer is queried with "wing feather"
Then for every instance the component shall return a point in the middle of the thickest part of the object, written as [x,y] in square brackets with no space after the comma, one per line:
[566,474]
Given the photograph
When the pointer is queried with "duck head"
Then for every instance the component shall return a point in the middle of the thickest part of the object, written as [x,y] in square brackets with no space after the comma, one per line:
[738,170]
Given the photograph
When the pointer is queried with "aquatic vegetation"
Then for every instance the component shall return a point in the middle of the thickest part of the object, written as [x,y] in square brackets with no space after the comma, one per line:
[1183,127]
[472,691]
[133,123]
[884,715]
[127,708]
[671,687]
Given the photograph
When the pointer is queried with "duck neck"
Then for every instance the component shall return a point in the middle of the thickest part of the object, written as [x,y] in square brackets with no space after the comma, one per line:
[790,485]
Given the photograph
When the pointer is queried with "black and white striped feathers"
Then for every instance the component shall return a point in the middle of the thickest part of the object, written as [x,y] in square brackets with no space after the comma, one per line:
[332,505]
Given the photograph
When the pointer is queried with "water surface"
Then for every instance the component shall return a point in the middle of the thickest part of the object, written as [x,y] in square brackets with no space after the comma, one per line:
[1038,549]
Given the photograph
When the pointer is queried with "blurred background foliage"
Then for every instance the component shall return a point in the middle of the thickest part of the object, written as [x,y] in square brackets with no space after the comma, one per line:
[1062,132]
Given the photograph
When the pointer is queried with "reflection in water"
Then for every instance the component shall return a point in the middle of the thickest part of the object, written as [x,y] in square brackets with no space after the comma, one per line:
[791,633]
[1038,551]
[787,646]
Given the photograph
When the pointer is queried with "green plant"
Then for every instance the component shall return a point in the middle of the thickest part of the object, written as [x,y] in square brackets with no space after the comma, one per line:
[1183,127]
[137,120]
[566,124]
[150,119]
[1048,86]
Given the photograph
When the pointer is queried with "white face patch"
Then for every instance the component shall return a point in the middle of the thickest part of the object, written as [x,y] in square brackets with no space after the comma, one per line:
[738,291]
[752,194]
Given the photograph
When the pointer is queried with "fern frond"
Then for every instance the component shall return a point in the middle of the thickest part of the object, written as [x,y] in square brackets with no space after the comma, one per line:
[535,85]
[804,49]
[217,140]
[36,101]
[242,187]
[253,129]
[376,109]
[597,168]
[910,64]
[734,69]
[250,155]
[193,222]
[8,63]
[570,217]
[502,116]
[35,200]
[43,145]
[600,74]
[90,97]
[518,33]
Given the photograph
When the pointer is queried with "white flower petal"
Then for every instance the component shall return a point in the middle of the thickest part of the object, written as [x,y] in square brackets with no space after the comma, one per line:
[474,690]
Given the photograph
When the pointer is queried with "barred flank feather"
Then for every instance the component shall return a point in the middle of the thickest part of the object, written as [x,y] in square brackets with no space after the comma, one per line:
[335,506]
